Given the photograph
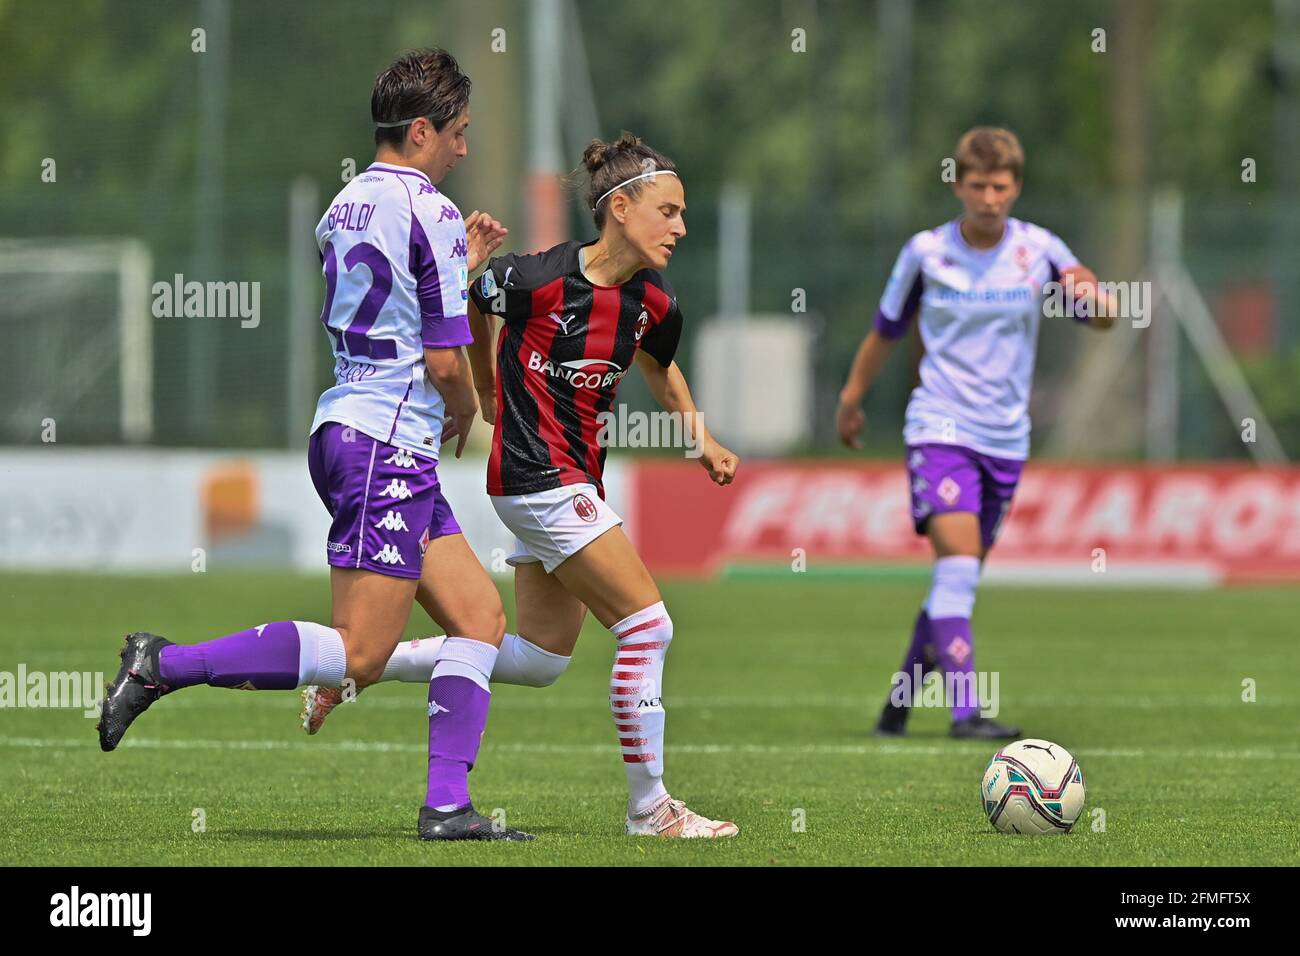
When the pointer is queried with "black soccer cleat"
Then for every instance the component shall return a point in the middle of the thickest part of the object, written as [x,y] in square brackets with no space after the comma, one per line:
[893,720]
[976,727]
[138,684]
[465,824]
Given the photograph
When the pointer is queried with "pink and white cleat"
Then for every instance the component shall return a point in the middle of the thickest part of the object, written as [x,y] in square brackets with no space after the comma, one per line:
[317,702]
[671,818]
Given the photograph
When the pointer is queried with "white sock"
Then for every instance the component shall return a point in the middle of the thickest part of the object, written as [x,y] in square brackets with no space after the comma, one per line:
[465,657]
[636,701]
[952,589]
[321,657]
[519,662]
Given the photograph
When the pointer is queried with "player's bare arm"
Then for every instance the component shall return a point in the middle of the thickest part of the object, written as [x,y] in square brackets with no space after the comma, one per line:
[849,417]
[669,388]
[480,362]
[449,371]
[483,236]
[1102,310]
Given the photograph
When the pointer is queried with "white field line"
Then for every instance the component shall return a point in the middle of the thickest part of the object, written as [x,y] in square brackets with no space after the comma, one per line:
[545,701]
[793,750]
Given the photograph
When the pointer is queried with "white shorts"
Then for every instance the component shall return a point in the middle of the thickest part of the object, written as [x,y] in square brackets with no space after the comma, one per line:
[550,526]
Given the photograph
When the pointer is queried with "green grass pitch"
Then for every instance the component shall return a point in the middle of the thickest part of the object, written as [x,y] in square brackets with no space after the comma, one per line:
[771,688]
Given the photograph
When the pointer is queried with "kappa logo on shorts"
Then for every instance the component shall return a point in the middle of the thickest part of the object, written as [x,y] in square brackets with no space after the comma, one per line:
[949,490]
[397,489]
[917,459]
[402,459]
[389,555]
[338,547]
[583,507]
[392,522]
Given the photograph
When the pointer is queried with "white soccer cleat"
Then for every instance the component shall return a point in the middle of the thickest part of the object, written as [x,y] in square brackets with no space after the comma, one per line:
[671,818]
[317,702]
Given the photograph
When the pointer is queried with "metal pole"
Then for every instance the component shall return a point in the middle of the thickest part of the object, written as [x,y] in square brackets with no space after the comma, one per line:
[303,331]
[214,17]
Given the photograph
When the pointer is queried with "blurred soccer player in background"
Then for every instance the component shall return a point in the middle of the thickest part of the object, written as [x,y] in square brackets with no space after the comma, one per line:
[575,318]
[975,286]
[396,258]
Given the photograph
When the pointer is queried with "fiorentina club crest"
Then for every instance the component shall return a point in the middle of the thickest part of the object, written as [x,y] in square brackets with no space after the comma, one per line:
[583,507]
[948,490]
[959,650]
[424,540]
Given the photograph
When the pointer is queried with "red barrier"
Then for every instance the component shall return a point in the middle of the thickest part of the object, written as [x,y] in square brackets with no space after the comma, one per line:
[1238,523]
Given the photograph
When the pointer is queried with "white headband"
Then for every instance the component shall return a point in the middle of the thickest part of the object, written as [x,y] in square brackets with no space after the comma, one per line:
[655,172]
[401,122]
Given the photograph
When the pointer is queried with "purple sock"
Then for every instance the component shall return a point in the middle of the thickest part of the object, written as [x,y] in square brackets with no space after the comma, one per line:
[458,709]
[955,650]
[256,659]
[921,650]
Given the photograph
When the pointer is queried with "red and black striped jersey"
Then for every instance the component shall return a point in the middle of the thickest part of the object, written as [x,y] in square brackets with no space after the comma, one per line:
[563,348]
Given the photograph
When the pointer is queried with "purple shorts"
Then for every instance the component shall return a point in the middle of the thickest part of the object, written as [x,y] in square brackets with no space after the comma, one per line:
[386,502]
[948,478]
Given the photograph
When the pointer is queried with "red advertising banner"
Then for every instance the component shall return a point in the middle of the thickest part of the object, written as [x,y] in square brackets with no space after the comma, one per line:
[1210,522]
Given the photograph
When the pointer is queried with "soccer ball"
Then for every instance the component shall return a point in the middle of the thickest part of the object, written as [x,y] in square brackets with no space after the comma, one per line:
[1032,786]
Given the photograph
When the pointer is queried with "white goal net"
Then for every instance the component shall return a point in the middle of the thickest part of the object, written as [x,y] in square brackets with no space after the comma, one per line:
[76,325]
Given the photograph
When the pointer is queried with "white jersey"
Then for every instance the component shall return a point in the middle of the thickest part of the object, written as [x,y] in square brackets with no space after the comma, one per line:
[979,315]
[393,253]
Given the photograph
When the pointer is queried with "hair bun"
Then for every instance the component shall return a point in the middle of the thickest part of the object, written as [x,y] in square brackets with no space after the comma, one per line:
[594,156]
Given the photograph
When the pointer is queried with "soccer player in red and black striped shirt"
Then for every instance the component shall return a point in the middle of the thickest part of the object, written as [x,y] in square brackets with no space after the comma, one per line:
[574,320]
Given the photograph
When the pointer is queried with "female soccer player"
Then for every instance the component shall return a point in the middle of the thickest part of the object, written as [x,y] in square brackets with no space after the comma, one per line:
[977,284]
[396,257]
[575,318]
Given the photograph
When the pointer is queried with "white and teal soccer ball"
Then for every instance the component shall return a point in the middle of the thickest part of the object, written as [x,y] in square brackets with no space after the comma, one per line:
[1032,786]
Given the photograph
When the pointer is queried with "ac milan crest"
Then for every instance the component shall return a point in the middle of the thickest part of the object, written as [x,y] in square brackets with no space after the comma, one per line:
[583,507]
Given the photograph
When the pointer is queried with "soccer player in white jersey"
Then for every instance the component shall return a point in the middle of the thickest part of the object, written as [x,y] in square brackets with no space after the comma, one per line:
[597,307]
[975,286]
[395,255]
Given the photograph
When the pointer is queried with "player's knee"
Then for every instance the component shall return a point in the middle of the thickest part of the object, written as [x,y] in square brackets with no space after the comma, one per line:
[365,664]
[487,624]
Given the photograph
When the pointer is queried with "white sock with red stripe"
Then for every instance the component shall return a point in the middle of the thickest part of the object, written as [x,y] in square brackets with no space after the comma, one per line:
[636,700]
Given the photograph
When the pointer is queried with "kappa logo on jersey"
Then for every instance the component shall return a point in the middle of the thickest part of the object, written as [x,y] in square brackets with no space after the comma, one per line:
[402,459]
[642,321]
[583,507]
[448,212]
[458,248]
[425,188]
[392,521]
[575,371]
[563,323]
[949,490]
[388,554]
[397,489]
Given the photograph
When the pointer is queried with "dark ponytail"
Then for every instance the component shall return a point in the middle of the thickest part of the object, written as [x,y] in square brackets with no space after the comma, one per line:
[609,164]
